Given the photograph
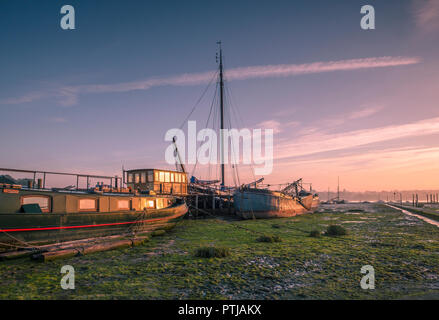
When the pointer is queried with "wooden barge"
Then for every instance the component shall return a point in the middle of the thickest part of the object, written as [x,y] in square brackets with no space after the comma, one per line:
[32,215]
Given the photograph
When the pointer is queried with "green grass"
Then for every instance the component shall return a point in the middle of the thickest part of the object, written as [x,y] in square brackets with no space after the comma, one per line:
[269,238]
[335,230]
[431,214]
[315,233]
[403,250]
[212,252]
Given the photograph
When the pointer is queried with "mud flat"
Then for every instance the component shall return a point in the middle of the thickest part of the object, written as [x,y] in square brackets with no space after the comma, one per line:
[403,249]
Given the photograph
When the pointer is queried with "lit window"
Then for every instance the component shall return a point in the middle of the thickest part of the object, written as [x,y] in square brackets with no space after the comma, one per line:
[123,204]
[167,178]
[147,204]
[137,178]
[156,176]
[130,177]
[159,203]
[162,176]
[42,201]
[150,176]
[143,177]
[88,204]
[172,177]
[184,178]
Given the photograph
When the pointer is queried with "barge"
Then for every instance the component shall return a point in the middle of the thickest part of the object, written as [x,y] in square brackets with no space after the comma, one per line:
[30,215]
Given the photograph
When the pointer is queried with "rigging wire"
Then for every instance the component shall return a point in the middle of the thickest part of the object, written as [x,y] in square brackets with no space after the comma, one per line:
[207,123]
[237,115]
[234,166]
[201,97]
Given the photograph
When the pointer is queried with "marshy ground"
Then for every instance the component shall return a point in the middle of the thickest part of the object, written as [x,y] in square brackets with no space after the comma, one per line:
[403,250]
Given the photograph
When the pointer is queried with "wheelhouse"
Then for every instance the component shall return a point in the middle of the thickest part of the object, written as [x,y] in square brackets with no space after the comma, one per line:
[157,181]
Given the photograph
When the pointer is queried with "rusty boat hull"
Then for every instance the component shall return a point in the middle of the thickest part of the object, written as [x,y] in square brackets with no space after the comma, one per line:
[266,204]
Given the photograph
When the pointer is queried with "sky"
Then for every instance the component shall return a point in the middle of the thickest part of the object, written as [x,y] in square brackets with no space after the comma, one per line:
[343,102]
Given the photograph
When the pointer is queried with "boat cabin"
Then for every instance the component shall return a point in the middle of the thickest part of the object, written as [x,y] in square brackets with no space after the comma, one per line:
[146,189]
[158,181]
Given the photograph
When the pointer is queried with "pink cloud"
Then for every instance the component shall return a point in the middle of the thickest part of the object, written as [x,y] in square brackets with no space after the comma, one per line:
[427,15]
[69,95]
[318,141]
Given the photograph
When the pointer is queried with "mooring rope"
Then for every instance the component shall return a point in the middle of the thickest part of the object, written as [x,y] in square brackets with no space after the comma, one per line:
[29,246]
[224,222]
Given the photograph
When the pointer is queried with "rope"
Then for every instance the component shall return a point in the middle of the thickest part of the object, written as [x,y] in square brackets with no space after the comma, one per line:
[28,246]
[224,222]
[199,100]
[207,123]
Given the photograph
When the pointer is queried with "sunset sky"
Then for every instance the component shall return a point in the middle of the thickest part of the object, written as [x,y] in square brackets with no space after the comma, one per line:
[342,101]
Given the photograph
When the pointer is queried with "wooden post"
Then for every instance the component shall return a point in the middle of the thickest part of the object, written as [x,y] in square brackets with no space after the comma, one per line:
[213,203]
[413,200]
[230,205]
[196,205]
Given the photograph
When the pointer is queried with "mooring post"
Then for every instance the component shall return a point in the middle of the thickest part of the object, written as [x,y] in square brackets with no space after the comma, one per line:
[196,205]
[213,203]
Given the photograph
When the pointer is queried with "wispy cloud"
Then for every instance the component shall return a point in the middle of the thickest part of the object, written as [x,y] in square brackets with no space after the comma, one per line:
[68,95]
[276,125]
[390,158]
[336,121]
[286,70]
[318,141]
[364,112]
[427,15]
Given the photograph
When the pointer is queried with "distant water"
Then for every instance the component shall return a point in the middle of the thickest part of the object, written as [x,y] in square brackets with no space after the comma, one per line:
[430,221]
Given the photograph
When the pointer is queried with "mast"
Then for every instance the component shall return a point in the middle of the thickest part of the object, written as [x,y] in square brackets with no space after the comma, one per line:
[338,188]
[222,112]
